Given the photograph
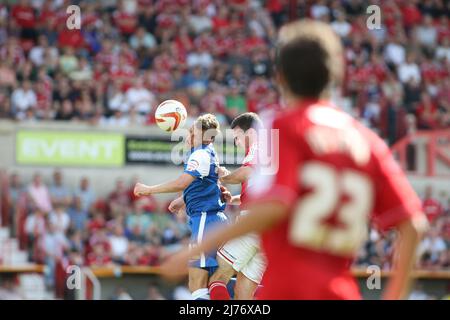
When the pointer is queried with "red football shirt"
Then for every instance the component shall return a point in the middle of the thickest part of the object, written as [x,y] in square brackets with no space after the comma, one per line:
[24,16]
[335,175]
[432,208]
[249,161]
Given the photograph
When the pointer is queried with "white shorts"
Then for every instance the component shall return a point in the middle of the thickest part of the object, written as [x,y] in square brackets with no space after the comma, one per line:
[245,256]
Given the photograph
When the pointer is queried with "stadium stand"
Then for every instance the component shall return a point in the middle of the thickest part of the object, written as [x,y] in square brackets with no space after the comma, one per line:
[214,56]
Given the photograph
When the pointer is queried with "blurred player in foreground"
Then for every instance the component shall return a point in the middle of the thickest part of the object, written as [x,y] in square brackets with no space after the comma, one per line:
[335,176]
[241,255]
[202,196]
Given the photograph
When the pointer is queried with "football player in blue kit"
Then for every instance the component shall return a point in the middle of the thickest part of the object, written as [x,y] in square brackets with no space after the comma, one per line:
[202,197]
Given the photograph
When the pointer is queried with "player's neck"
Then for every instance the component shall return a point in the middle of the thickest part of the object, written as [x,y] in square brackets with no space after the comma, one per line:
[294,101]
[252,141]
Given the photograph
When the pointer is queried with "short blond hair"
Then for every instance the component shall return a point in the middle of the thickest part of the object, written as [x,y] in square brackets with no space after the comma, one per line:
[208,124]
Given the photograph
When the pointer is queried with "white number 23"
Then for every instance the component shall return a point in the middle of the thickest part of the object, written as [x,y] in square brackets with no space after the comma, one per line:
[328,188]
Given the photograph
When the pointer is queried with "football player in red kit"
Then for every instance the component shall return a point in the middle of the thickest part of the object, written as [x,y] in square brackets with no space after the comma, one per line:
[241,256]
[335,177]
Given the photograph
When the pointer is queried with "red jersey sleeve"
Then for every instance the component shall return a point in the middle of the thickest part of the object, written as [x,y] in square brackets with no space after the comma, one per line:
[395,199]
[275,174]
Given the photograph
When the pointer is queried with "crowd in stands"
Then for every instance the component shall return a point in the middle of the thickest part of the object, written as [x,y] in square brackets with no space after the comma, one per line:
[64,226]
[216,56]
[433,251]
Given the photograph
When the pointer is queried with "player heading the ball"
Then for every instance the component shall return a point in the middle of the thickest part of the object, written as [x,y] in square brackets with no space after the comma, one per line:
[202,196]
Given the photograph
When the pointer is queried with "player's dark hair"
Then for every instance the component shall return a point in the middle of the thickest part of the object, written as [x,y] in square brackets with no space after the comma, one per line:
[309,58]
[246,121]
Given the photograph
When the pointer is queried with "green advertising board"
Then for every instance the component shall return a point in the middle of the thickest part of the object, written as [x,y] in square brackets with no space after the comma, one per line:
[64,148]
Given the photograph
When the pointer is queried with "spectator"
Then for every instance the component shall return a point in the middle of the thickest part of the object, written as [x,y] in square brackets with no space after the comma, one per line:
[126,18]
[428,113]
[140,98]
[119,244]
[200,58]
[443,51]
[238,78]
[200,22]
[196,82]
[392,88]
[119,199]
[138,222]
[319,9]
[86,194]
[341,26]
[78,216]
[412,90]
[66,112]
[116,99]
[82,72]
[42,51]
[409,70]
[24,16]
[35,225]
[426,33]
[23,98]
[68,62]
[75,242]
[53,245]
[142,40]
[59,193]
[431,206]
[15,189]
[7,75]
[39,194]
[260,65]
[99,256]
[432,247]
[235,103]
[59,219]
[394,51]
[97,223]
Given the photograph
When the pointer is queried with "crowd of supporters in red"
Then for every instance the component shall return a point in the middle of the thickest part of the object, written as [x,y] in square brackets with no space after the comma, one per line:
[215,56]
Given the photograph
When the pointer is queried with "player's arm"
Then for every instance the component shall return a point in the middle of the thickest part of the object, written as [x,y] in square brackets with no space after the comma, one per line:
[235,200]
[198,166]
[409,234]
[397,206]
[177,205]
[236,177]
[262,216]
[177,185]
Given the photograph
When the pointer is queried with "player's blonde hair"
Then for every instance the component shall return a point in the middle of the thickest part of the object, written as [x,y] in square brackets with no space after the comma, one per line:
[209,125]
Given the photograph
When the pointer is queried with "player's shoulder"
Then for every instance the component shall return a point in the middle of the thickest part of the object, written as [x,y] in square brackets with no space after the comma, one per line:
[284,118]
[200,153]
[327,114]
